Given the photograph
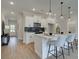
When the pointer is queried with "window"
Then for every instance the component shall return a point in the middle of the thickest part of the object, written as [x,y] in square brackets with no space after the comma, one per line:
[12,28]
[6,27]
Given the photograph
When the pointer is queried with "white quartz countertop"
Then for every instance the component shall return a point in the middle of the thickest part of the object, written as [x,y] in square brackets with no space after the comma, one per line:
[45,36]
[54,37]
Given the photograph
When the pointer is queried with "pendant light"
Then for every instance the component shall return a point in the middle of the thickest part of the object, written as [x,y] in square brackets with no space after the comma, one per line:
[50,11]
[69,18]
[61,10]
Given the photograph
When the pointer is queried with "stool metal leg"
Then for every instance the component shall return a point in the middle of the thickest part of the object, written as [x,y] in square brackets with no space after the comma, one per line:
[72,47]
[54,49]
[63,53]
[76,43]
[56,52]
[68,49]
[48,50]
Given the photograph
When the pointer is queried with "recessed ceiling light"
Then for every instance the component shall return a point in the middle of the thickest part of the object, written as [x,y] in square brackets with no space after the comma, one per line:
[11,3]
[12,12]
[33,9]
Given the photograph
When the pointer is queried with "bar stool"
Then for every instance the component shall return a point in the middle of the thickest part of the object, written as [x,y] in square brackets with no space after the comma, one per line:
[76,40]
[58,46]
[69,42]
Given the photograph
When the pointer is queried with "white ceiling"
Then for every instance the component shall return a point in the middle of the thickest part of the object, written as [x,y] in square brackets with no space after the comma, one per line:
[43,5]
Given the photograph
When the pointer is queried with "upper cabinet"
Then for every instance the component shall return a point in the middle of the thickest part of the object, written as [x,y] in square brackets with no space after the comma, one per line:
[28,21]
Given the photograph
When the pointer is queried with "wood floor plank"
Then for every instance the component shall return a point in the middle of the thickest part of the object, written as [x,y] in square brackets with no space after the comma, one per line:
[18,50]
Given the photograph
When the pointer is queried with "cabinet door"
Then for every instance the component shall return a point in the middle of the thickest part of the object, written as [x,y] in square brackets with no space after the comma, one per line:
[28,22]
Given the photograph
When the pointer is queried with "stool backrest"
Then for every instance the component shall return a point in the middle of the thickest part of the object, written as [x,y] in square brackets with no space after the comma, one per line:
[76,36]
[53,40]
[61,40]
[71,37]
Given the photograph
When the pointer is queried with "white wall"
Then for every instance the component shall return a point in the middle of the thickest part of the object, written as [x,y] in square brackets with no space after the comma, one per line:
[27,19]
[73,26]
[20,22]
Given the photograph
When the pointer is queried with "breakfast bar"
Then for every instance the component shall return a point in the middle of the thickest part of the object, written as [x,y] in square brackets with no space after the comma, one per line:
[41,44]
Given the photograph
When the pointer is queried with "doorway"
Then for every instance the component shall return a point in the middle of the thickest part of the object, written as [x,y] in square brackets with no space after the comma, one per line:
[13,28]
[57,30]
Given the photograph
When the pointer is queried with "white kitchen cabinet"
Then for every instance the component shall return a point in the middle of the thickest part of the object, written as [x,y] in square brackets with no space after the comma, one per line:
[28,22]
[28,37]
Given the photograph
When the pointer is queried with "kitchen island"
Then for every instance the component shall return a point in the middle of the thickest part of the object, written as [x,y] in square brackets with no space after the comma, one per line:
[28,37]
[41,44]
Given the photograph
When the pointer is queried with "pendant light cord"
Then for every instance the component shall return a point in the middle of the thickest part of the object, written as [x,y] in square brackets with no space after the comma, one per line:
[69,11]
[61,8]
[50,6]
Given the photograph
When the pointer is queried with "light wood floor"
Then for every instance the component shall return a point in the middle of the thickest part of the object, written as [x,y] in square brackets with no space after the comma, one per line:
[18,50]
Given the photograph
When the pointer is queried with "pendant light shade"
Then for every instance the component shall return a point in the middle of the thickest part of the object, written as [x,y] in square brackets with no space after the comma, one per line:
[61,10]
[50,11]
[61,17]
